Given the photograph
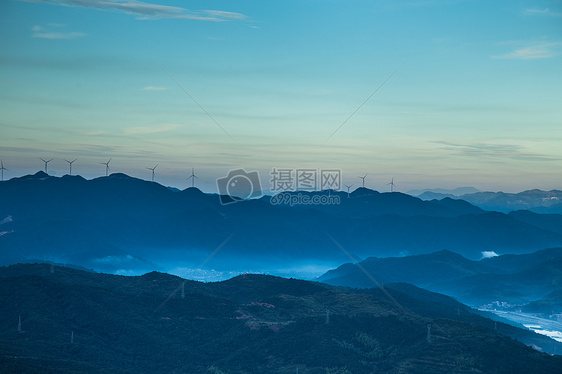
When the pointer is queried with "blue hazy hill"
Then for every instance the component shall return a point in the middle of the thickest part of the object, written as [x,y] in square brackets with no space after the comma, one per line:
[513,279]
[120,223]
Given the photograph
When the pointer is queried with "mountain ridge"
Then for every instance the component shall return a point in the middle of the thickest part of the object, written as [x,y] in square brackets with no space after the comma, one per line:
[72,320]
[124,224]
[513,279]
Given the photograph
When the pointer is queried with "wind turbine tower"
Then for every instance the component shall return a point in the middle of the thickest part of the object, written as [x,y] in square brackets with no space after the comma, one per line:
[2,168]
[19,324]
[106,166]
[429,333]
[363,177]
[70,165]
[153,171]
[348,187]
[327,316]
[192,177]
[391,184]
[46,162]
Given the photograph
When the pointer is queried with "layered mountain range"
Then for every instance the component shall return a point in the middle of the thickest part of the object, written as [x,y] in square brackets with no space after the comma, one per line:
[531,282]
[123,224]
[537,201]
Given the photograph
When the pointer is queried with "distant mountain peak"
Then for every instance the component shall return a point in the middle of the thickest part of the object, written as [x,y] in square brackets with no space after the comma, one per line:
[459,191]
[364,191]
[193,191]
[445,253]
[120,175]
[39,175]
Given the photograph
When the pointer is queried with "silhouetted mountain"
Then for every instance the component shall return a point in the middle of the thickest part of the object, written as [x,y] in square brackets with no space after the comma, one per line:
[421,270]
[550,222]
[459,191]
[367,203]
[550,305]
[76,321]
[534,200]
[428,195]
[122,224]
[514,279]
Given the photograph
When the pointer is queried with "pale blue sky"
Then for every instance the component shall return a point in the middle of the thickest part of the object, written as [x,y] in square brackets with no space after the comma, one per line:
[477,99]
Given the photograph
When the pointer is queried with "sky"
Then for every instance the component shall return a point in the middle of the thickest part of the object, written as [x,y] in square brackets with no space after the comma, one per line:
[432,93]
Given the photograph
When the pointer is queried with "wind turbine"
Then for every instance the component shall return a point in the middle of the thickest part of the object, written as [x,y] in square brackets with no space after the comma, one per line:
[70,165]
[106,166]
[2,168]
[363,177]
[153,171]
[192,177]
[46,162]
[348,187]
[391,184]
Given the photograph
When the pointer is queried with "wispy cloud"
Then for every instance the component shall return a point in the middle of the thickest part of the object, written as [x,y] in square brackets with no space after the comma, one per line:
[154,88]
[544,50]
[95,133]
[147,10]
[140,130]
[541,12]
[516,152]
[58,35]
[225,15]
[48,33]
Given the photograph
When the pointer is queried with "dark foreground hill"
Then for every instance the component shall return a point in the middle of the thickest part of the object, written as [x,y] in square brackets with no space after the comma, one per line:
[76,321]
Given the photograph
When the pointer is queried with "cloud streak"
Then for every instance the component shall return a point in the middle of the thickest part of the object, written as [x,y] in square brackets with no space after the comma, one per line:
[494,150]
[541,12]
[141,130]
[147,10]
[545,50]
[57,35]
[154,88]
[46,33]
